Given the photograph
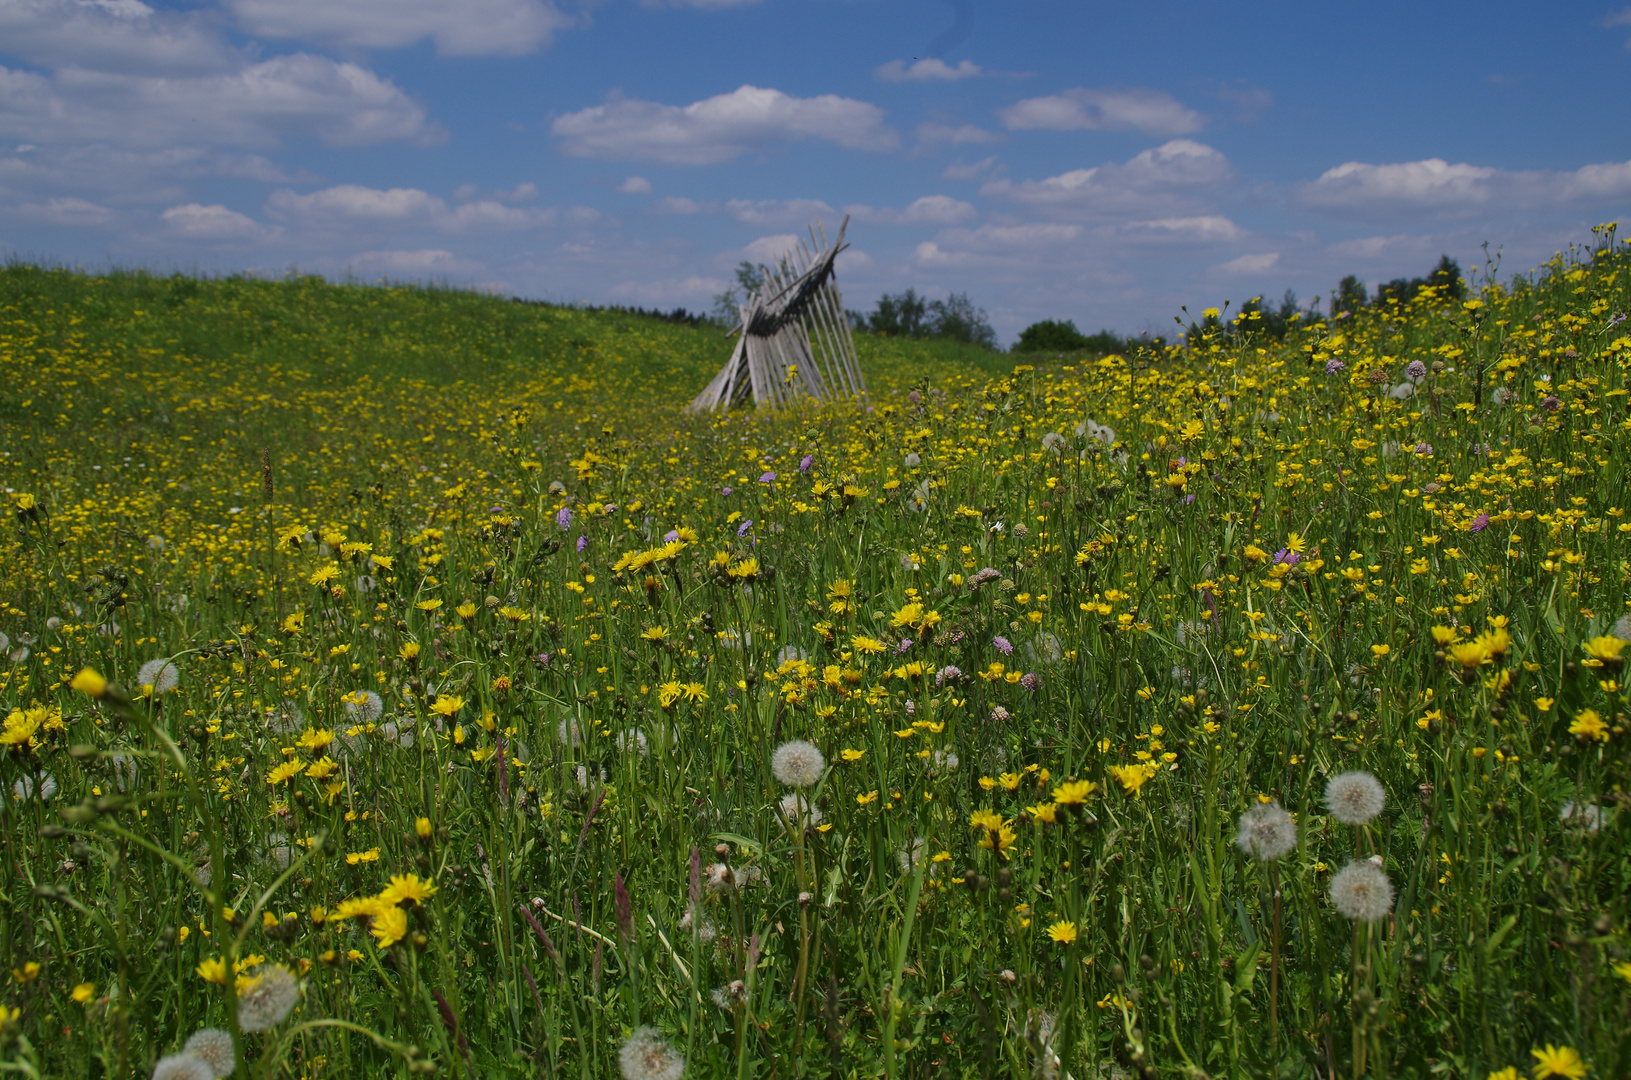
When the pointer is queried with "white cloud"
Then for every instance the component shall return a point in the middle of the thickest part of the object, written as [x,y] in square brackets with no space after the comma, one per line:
[930,69]
[932,134]
[766,250]
[352,206]
[433,261]
[124,36]
[1206,228]
[258,105]
[694,290]
[777,211]
[929,210]
[1250,102]
[458,27]
[66,210]
[1167,176]
[216,223]
[979,170]
[1437,188]
[1622,18]
[720,128]
[1150,111]
[680,205]
[1249,264]
[635,185]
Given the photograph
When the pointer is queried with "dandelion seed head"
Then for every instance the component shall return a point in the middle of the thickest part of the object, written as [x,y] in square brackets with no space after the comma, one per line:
[1576,816]
[365,705]
[161,674]
[1362,892]
[1354,797]
[796,808]
[647,1056]
[213,1047]
[1266,832]
[267,1000]
[797,763]
[182,1067]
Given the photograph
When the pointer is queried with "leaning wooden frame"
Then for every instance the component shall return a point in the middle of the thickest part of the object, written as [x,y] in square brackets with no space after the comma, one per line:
[793,339]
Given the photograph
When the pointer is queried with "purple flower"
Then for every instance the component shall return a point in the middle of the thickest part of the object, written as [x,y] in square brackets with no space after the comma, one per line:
[542,659]
[670,536]
[1617,320]
[999,714]
[726,490]
[742,529]
[1416,370]
[1424,449]
[583,542]
[1188,499]
[767,478]
[949,673]
[805,462]
[563,517]
[1550,403]
[1333,365]
[1287,557]
[1479,523]
[1003,645]
[905,643]
[1030,681]
[911,707]
[980,577]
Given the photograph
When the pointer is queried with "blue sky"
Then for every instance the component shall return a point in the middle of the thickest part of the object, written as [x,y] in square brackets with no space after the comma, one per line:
[1092,161]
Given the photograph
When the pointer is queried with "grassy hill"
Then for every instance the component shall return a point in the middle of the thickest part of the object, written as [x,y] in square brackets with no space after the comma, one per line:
[398,679]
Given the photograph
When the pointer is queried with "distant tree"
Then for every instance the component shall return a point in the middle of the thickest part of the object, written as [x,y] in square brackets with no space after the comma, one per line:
[749,279]
[957,319]
[1258,318]
[907,314]
[903,314]
[1053,336]
[1351,295]
[1446,278]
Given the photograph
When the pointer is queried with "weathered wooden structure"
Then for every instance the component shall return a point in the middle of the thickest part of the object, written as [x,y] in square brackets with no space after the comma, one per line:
[793,339]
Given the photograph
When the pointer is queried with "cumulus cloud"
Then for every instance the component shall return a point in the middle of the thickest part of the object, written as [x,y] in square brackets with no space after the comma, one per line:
[352,207]
[1108,109]
[777,211]
[408,264]
[1435,187]
[458,27]
[767,250]
[929,210]
[124,36]
[1622,18]
[1167,176]
[929,69]
[214,223]
[695,289]
[1249,264]
[342,104]
[70,211]
[978,170]
[681,206]
[721,128]
[1204,228]
[931,134]
[635,185]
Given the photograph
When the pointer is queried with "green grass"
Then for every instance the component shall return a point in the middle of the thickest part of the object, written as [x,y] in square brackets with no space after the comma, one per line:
[299,492]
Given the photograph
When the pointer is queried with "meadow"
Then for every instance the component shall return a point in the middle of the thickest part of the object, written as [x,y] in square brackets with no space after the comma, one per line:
[397,681]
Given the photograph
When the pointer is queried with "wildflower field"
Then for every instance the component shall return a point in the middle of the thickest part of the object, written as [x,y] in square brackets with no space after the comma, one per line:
[399,681]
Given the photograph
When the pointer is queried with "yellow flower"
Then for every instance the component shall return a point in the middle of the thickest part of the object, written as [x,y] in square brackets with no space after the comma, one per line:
[466,610]
[864,644]
[389,926]
[1380,651]
[1469,654]
[409,651]
[27,973]
[428,605]
[1623,970]
[852,755]
[1544,704]
[1132,777]
[1045,812]
[213,970]
[1508,1073]
[1444,635]
[447,705]
[83,992]
[1606,647]
[513,614]
[324,574]
[869,797]
[315,739]
[90,683]
[284,772]
[1009,781]
[1588,725]
[421,826]
[405,888]
[1063,931]
[1558,1061]
[1074,792]
[655,634]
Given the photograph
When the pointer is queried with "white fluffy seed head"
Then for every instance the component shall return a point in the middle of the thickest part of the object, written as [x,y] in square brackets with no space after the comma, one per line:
[1354,797]
[1266,832]
[647,1056]
[365,706]
[213,1047]
[266,1002]
[161,674]
[798,764]
[182,1067]
[1361,891]
[797,809]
